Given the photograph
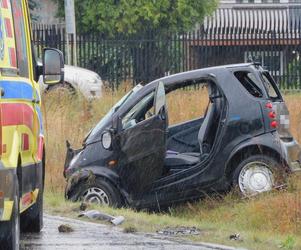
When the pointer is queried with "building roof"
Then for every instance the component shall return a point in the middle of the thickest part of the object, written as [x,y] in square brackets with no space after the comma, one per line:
[253,21]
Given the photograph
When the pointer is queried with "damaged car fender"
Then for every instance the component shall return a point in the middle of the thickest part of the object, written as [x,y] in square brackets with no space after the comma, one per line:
[262,144]
[89,175]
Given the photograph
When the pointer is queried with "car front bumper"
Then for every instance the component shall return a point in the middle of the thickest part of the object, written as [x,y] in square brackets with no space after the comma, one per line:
[292,151]
[6,192]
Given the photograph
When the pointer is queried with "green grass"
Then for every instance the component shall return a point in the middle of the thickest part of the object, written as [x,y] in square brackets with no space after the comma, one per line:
[263,222]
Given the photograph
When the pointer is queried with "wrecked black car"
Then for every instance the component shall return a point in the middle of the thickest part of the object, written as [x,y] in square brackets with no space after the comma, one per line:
[134,158]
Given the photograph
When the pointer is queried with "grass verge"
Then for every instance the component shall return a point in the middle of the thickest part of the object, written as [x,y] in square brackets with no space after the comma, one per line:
[268,221]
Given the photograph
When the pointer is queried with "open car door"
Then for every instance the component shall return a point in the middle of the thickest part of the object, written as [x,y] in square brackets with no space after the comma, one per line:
[143,142]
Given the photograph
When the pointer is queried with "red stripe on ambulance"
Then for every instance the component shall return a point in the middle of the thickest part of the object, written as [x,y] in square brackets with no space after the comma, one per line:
[12,57]
[4,4]
[25,142]
[14,114]
[8,28]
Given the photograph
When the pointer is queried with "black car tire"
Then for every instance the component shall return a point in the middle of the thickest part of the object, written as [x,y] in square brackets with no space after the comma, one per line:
[262,177]
[66,87]
[11,241]
[32,218]
[99,192]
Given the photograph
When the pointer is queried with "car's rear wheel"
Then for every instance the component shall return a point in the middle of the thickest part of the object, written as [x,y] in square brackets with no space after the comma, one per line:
[11,239]
[62,88]
[257,174]
[100,192]
[32,218]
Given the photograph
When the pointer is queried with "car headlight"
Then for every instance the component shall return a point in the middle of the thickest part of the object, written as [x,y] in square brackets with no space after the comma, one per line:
[106,139]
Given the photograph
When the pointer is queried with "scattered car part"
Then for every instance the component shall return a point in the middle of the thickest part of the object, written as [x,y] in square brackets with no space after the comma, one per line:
[96,215]
[179,231]
[235,237]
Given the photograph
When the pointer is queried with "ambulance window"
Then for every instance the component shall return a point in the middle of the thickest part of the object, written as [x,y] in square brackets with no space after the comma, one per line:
[20,34]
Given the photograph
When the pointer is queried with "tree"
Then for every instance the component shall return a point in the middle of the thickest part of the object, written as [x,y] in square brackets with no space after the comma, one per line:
[113,17]
[132,19]
[32,5]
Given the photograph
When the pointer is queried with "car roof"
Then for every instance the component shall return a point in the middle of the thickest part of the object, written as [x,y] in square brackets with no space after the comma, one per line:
[194,74]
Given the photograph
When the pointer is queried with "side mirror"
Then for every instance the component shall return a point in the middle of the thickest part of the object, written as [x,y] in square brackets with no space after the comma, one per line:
[53,66]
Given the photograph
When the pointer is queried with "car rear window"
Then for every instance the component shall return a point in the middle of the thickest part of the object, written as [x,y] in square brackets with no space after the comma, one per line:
[248,81]
[271,87]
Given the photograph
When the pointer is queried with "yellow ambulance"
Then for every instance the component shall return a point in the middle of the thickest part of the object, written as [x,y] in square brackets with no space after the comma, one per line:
[22,151]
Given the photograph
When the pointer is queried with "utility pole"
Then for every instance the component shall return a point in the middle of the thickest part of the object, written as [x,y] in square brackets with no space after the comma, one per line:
[70,31]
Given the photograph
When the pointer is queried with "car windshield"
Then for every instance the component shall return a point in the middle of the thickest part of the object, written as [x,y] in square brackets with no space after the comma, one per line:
[121,102]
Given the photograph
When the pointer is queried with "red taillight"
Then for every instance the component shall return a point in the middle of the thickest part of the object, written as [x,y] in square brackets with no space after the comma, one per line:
[269,105]
[272,115]
[274,124]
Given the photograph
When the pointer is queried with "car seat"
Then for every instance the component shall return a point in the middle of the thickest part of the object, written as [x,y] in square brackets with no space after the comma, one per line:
[206,136]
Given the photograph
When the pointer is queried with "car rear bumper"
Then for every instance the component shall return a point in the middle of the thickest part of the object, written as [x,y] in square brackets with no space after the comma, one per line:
[292,152]
[6,192]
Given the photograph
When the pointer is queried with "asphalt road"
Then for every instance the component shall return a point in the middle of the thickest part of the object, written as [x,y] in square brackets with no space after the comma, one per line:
[88,235]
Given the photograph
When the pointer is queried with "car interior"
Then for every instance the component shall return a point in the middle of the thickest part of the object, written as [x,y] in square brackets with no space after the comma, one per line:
[190,142]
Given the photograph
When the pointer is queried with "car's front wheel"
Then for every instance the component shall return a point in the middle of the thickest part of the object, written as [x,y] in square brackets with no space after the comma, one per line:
[257,174]
[100,192]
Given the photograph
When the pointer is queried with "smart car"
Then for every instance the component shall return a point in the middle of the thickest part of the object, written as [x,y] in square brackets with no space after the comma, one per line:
[134,158]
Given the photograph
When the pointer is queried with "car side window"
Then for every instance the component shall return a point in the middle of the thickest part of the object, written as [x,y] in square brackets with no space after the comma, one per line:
[20,34]
[248,81]
[143,110]
[270,86]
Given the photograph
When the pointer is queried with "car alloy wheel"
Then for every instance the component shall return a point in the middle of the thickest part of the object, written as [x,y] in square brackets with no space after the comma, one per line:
[96,195]
[255,177]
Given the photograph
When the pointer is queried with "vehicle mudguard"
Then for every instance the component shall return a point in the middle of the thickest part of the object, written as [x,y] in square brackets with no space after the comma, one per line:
[92,172]
[264,142]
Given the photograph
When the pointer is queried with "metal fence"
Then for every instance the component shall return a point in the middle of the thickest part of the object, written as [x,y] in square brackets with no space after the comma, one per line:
[271,36]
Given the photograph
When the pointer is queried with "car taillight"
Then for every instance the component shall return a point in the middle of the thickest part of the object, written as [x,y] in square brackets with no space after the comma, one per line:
[272,115]
[269,105]
[274,124]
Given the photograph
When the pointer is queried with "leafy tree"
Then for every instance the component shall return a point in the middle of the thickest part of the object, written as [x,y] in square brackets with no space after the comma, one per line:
[135,19]
[32,5]
[113,17]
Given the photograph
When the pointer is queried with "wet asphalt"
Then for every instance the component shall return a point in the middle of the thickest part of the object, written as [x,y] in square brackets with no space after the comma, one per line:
[90,236]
